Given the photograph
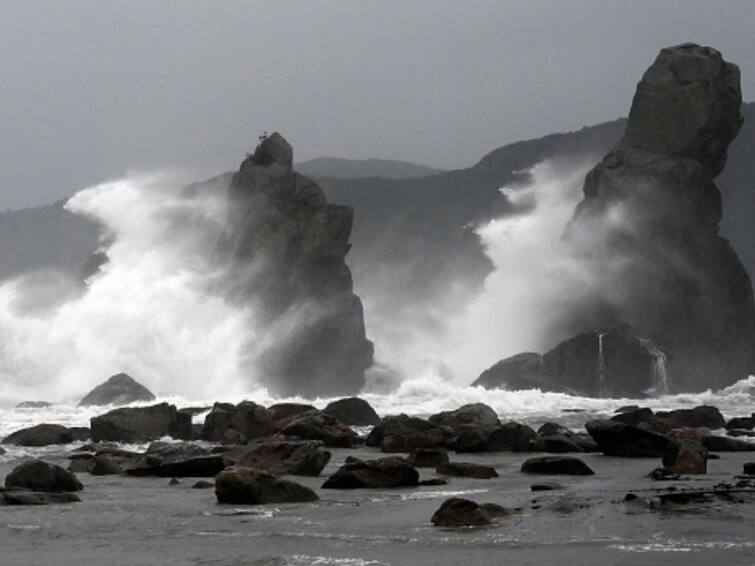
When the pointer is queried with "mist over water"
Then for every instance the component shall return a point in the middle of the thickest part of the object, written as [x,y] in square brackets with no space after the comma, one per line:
[535,277]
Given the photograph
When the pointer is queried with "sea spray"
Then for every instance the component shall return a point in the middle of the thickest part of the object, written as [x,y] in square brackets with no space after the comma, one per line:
[150,311]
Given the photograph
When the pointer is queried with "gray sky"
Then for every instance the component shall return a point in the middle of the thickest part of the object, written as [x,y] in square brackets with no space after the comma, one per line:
[91,89]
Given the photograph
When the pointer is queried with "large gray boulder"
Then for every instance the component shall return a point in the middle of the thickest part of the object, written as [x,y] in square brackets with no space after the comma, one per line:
[141,424]
[648,226]
[248,418]
[249,486]
[121,389]
[287,246]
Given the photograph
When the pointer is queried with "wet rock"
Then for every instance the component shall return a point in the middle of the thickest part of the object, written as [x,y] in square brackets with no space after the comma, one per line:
[174,481]
[615,362]
[686,457]
[247,418]
[202,484]
[403,433]
[282,413]
[703,416]
[303,458]
[104,465]
[182,459]
[517,372]
[141,424]
[557,465]
[626,441]
[466,470]
[741,423]
[249,486]
[2,450]
[726,444]
[232,437]
[513,437]
[379,473]
[428,457]
[643,418]
[472,414]
[23,497]
[40,435]
[458,512]
[316,425]
[121,389]
[37,475]
[749,468]
[353,411]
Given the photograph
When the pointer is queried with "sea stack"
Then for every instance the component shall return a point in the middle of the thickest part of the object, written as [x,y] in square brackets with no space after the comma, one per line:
[648,225]
[287,246]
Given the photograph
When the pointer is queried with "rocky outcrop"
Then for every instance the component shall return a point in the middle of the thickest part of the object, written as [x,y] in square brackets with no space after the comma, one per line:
[648,226]
[40,435]
[255,487]
[353,411]
[614,362]
[121,389]
[141,424]
[287,246]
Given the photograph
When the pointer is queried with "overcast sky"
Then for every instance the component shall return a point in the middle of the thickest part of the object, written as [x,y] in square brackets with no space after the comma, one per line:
[92,89]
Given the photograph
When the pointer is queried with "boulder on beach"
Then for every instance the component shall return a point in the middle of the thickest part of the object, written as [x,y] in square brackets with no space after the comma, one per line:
[141,424]
[557,465]
[316,425]
[471,414]
[38,475]
[379,473]
[176,460]
[298,458]
[121,389]
[512,437]
[282,413]
[715,443]
[248,418]
[247,486]
[402,433]
[685,457]
[40,435]
[353,411]
[618,439]
[703,416]
[466,470]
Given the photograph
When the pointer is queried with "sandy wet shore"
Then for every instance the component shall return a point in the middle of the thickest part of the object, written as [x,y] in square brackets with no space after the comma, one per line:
[144,521]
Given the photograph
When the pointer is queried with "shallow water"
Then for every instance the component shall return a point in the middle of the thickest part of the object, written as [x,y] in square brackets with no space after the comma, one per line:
[135,521]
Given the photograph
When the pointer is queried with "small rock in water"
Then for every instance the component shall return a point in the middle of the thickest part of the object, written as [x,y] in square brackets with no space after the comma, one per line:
[428,457]
[380,473]
[458,512]
[250,486]
[174,481]
[202,484]
[433,482]
[663,474]
[23,497]
[686,457]
[353,411]
[749,468]
[40,435]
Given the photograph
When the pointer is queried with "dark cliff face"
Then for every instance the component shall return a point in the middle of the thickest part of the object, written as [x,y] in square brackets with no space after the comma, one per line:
[287,247]
[648,225]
